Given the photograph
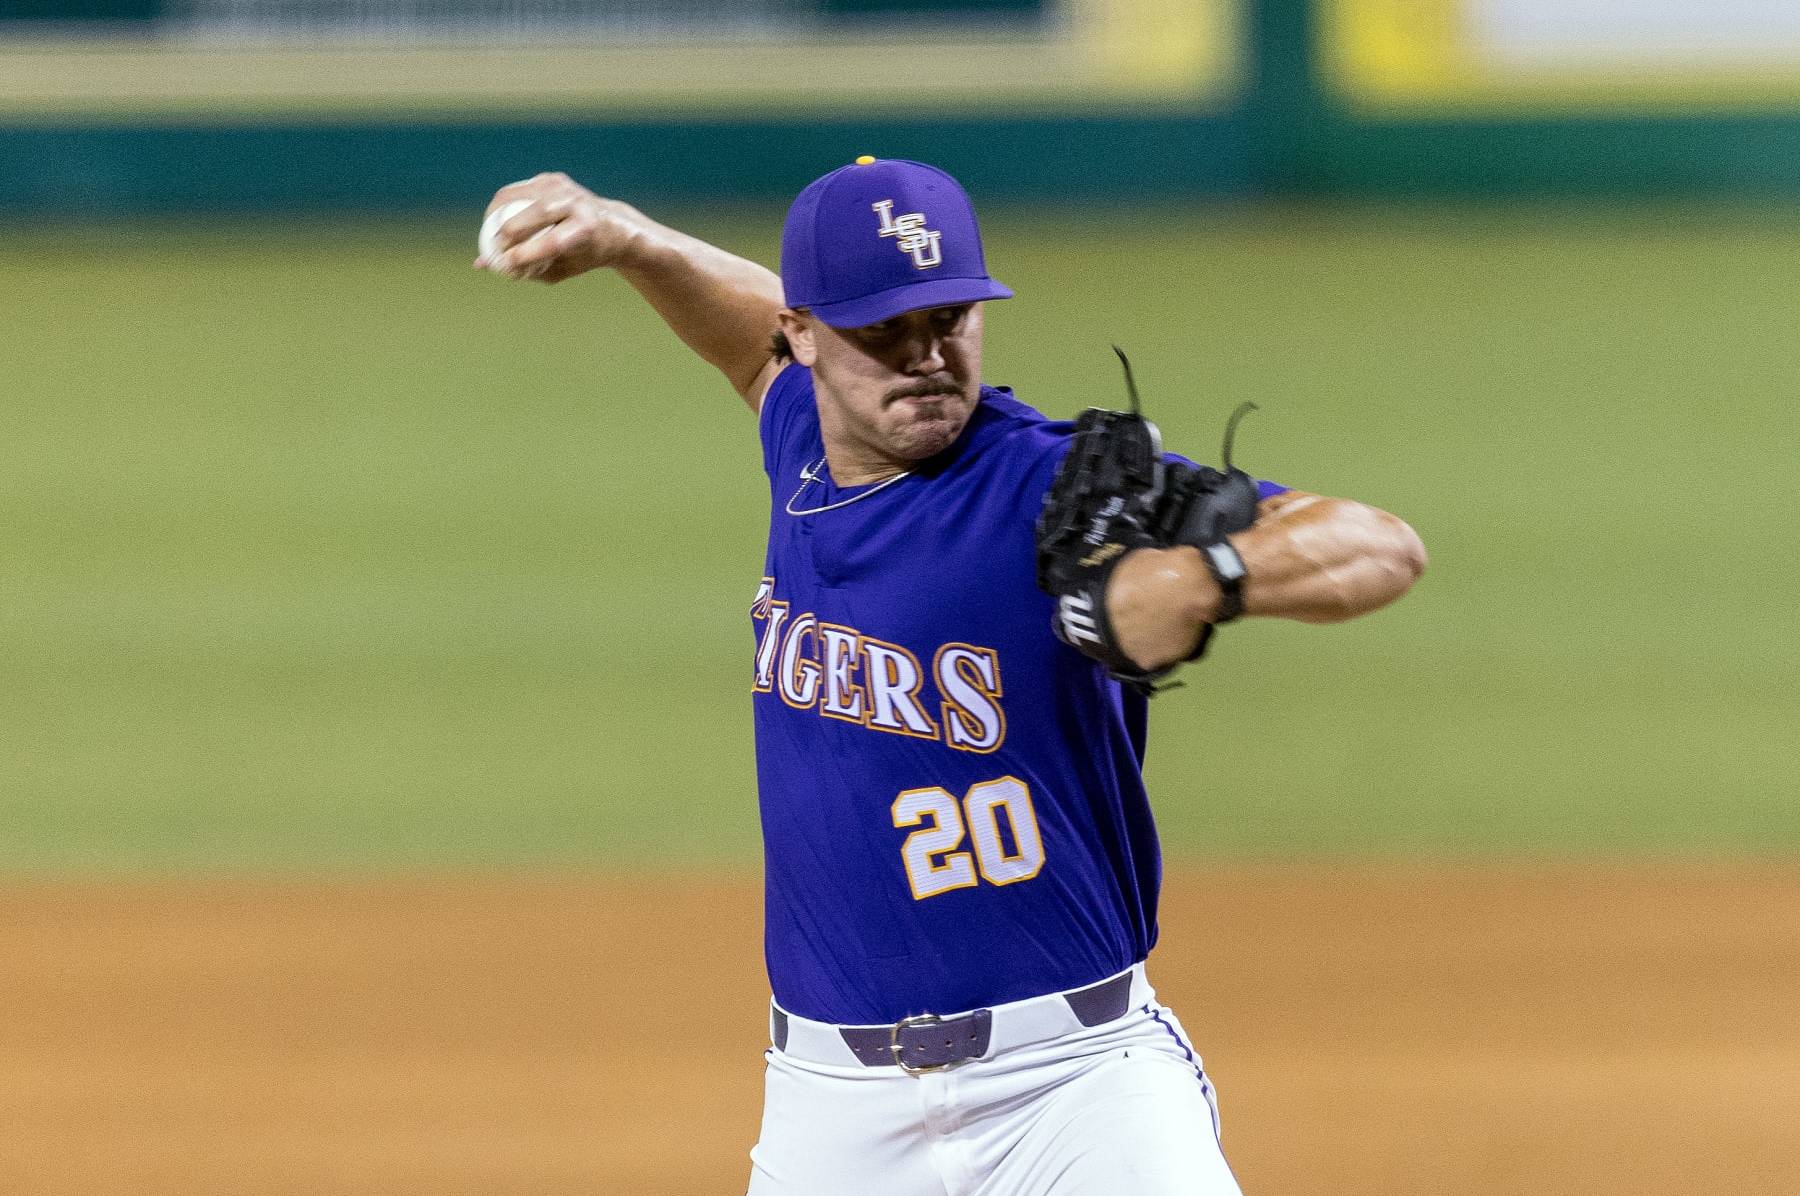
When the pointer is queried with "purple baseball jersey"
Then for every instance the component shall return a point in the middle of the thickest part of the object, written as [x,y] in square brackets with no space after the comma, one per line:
[953,808]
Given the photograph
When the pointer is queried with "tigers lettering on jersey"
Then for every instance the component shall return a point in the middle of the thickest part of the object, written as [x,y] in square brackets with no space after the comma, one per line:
[842,673]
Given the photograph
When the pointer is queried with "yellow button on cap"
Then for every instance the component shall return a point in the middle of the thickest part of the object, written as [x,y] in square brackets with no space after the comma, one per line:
[865,160]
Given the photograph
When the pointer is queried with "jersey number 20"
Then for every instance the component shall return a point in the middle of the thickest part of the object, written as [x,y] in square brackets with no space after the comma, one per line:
[933,863]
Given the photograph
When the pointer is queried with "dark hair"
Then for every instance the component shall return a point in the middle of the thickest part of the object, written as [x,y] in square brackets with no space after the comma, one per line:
[778,345]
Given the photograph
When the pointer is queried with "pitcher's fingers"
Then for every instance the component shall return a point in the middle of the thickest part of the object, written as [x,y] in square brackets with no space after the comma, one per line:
[545,250]
[531,256]
[535,187]
[522,225]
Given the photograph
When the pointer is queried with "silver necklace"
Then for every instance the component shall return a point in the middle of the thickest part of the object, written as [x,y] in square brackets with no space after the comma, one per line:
[810,474]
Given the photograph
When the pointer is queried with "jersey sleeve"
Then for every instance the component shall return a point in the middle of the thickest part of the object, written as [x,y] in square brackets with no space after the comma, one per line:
[783,421]
[1264,487]
[1049,443]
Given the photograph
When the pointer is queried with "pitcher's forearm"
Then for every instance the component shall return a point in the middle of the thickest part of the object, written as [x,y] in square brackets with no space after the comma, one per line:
[1325,560]
[1313,559]
[722,306]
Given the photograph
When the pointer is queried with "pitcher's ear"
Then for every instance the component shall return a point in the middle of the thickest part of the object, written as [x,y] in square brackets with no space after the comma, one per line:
[797,335]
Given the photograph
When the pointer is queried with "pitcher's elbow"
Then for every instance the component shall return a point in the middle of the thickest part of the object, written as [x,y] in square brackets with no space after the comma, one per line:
[1409,551]
[1387,569]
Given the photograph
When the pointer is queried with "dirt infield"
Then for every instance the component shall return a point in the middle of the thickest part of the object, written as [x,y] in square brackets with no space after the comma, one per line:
[1391,1030]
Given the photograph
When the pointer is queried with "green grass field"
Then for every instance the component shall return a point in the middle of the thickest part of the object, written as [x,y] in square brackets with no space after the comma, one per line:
[319,549]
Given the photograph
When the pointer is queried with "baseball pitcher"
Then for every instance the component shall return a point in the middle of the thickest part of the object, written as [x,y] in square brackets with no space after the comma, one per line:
[964,608]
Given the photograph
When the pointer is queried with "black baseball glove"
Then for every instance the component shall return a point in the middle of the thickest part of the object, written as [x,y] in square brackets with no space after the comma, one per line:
[1114,493]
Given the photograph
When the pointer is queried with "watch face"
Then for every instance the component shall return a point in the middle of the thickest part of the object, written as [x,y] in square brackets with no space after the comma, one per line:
[1226,562]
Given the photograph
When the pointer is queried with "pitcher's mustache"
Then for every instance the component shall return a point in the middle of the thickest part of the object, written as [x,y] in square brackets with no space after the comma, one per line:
[937,384]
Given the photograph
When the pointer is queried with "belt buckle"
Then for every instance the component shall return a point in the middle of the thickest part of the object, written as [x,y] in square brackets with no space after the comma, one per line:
[922,1019]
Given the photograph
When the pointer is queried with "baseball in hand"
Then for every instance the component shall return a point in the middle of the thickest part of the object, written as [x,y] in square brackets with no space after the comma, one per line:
[490,228]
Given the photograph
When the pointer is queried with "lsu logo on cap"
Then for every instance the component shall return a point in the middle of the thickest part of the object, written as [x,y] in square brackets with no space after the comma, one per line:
[910,234]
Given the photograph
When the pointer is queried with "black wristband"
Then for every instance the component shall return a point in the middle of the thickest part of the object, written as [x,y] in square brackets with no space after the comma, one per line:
[1227,567]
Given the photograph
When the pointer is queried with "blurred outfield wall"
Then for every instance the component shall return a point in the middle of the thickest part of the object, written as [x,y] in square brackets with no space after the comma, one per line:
[130,106]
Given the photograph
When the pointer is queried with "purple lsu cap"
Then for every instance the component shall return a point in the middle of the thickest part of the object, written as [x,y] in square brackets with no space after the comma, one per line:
[880,237]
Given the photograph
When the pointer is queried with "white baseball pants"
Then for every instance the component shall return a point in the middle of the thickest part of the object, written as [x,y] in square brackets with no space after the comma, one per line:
[1053,1109]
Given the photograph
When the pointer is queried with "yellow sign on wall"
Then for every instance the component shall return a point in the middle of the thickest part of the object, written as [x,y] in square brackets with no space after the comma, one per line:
[1567,56]
[1092,55]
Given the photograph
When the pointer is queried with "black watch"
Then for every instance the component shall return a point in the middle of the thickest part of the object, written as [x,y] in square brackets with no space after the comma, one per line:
[1227,568]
